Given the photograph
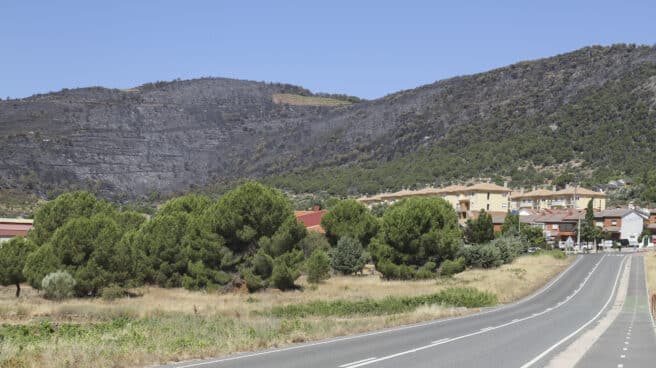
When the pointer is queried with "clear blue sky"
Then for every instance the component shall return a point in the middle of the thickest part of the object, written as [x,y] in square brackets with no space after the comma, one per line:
[364,48]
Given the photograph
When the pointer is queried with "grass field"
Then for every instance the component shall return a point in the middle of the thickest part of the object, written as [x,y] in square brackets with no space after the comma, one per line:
[298,100]
[171,324]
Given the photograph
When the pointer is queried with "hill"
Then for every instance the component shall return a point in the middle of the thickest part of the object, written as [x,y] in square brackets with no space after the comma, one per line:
[588,113]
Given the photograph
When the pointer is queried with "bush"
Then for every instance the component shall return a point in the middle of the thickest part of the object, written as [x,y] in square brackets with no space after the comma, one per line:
[113,292]
[253,282]
[348,256]
[456,297]
[283,276]
[58,285]
[510,247]
[426,271]
[484,255]
[318,267]
[450,267]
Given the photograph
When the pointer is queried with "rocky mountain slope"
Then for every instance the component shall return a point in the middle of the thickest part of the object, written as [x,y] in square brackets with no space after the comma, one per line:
[530,117]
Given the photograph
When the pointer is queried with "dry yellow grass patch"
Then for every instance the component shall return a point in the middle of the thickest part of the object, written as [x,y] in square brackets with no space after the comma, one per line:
[650,269]
[298,100]
[174,324]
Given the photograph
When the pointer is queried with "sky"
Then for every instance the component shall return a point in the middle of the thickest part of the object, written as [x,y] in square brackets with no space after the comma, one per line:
[362,48]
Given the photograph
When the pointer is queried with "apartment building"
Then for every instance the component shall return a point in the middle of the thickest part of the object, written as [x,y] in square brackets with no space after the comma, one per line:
[571,197]
[467,201]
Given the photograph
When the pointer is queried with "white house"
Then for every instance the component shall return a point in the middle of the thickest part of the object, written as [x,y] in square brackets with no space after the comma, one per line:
[621,223]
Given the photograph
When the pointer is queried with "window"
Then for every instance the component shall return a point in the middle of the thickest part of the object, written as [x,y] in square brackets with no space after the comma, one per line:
[554,226]
[488,196]
[504,205]
[613,222]
[488,206]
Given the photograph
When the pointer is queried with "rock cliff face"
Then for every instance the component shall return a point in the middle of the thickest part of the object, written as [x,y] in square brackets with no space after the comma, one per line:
[175,135]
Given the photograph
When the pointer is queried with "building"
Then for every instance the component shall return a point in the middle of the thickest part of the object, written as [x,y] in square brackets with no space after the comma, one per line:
[10,228]
[467,201]
[311,219]
[557,224]
[620,223]
[570,197]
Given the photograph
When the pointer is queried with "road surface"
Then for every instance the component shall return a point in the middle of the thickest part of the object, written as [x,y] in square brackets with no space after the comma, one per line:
[529,333]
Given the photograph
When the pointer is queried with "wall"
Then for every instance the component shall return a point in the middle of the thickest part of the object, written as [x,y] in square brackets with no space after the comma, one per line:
[631,225]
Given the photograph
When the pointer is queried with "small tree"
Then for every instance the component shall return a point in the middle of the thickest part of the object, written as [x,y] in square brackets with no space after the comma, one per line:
[318,267]
[12,261]
[348,256]
[349,218]
[58,285]
[480,230]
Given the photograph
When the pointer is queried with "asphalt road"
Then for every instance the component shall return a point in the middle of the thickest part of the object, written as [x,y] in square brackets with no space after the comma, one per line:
[524,334]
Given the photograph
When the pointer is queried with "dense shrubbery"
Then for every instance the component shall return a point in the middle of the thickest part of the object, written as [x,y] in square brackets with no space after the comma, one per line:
[191,241]
[416,235]
[13,255]
[318,266]
[493,254]
[457,297]
[58,285]
[348,256]
[450,267]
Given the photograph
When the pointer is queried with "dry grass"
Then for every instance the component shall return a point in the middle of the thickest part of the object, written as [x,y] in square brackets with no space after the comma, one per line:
[298,100]
[650,269]
[173,324]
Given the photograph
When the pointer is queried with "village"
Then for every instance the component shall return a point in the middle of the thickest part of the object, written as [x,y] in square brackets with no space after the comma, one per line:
[557,212]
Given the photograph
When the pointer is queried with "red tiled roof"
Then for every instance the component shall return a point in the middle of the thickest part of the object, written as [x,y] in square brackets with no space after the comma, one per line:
[15,229]
[311,219]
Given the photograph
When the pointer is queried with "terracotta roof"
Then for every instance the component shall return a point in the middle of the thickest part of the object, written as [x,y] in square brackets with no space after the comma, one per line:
[488,187]
[453,189]
[580,191]
[311,219]
[14,229]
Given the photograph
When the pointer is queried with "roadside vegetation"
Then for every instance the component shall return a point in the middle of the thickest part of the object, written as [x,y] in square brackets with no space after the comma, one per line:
[159,325]
[110,282]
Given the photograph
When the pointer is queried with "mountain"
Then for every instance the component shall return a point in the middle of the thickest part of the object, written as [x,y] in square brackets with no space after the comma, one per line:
[588,113]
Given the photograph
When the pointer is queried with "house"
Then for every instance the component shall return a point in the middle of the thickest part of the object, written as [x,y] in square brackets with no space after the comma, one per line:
[467,201]
[570,197]
[311,219]
[620,223]
[558,224]
[10,228]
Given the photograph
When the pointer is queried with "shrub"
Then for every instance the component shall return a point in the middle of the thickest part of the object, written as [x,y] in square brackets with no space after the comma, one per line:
[58,285]
[510,247]
[283,276]
[456,297]
[318,267]
[113,292]
[253,282]
[426,271]
[450,267]
[348,256]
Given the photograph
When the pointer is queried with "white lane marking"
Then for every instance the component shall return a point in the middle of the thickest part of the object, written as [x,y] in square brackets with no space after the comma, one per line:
[390,330]
[544,353]
[440,341]
[622,356]
[434,344]
[625,349]
[357,362]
